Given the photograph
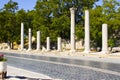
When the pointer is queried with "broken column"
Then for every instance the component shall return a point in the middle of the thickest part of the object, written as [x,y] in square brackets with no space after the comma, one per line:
[22,36]
[72,36]
[38,40]
[104,39]
[59,45]
[48,43]
[87,32]
[30,40]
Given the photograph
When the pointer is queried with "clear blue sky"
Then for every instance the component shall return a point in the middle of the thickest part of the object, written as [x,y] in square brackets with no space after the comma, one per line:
[29,4]
[25,4]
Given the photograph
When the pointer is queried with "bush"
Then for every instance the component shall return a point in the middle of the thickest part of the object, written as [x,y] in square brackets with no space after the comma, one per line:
[2,57]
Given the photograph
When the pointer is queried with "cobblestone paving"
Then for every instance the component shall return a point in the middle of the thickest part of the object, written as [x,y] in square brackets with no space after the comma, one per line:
[61,71]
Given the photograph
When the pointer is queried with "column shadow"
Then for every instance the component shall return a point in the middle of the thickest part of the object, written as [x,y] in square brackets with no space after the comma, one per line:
[23,77]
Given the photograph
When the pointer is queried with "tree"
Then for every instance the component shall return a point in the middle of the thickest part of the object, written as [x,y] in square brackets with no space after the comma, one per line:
[110,10]
[52,17]
[96,21]
[21,16]
[107,13]
[9,26]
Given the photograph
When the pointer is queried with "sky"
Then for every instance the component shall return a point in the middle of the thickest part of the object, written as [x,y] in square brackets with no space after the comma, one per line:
[29,4]
[22,4]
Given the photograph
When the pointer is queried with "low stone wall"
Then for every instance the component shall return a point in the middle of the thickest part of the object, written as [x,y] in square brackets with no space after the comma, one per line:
[116,49]
[66,45]
[4,46]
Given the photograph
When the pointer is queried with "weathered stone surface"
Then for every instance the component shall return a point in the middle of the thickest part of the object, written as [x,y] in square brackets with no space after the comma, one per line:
[22,36]
[104,39]
[38,40]
[87,32]
[72,36]
[30,40]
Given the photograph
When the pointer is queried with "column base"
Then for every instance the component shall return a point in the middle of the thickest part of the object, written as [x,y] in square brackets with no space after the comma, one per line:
[59,50]
[105,52]
[23,49]
[72,51]
[29,49]
[38,50]
[48,50]
[86,51]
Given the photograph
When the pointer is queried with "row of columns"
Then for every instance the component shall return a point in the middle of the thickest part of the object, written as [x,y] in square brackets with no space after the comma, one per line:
[38,40]
[72,36]
[87,33]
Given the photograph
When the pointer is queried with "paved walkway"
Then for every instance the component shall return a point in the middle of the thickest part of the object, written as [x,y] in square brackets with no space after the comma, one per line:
[21,74]
[14,73]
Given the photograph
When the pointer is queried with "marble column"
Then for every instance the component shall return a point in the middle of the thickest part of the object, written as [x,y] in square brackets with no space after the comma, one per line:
[59,44]
[72,36]
[104,39]
[38,40]
[87,32]
[22,36]
[30,39]
[48,43]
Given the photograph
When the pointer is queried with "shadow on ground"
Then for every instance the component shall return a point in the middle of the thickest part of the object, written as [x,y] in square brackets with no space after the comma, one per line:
[22,77]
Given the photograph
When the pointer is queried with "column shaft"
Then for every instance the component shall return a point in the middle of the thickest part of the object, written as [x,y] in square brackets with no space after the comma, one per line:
[72,36]
[104,39]
[22,36]
[59,44]
[30,40]
[38,40]
[87,32]
[48,43]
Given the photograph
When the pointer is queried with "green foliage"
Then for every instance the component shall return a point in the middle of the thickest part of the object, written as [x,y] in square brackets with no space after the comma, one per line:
[107,13]
[111,12]
[52,18]
[96,21]
[3,59]
[8,20]
[111,42]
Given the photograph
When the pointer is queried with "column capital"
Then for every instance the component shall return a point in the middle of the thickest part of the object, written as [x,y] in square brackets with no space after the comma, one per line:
[104,25]
[73,9]
[29,30]
[87,10]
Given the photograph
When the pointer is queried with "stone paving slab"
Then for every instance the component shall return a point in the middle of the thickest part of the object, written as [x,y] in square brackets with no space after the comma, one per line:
[69,71]
[14,73]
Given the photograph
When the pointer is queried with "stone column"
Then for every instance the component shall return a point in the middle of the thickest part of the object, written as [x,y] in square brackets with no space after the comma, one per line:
[104,39]
[22,36]
[38,40]
[72,36]
[59,45]
[48,43]
[87,32]
[30,40]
